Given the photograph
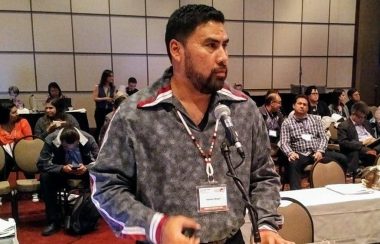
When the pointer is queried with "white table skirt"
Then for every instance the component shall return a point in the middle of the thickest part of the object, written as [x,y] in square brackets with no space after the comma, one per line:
[344,218]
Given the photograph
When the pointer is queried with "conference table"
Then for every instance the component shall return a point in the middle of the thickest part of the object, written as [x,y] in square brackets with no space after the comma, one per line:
[346,213]
[79,114]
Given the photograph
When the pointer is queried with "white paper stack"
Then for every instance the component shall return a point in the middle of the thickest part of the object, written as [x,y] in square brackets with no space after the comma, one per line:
[349,189]
[8,232]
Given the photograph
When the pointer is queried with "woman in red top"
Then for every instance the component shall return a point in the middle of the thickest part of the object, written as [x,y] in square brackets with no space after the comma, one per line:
[12,128]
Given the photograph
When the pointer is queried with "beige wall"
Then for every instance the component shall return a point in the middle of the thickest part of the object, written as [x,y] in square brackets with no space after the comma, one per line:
[73,41]
[368,52]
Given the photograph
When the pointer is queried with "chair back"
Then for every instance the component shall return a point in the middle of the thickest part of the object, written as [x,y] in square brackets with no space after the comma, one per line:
[334,133]
[323,174]
[2,158]
[26,152]
[298,224]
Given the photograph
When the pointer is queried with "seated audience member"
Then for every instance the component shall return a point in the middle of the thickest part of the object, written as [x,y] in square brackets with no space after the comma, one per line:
[13,92]
[67,154]
[316,106]
[354,135]
[119,97]
[337,105]
[55,117]
[273,117]
[54,91]
[353,96]
[12,128]
[131,88]
[303,140]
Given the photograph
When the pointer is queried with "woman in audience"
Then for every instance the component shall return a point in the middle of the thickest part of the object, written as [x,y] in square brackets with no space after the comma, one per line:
[337,105]
[13,92]
[103,96]
[12,128]
[54,91]
[54,118]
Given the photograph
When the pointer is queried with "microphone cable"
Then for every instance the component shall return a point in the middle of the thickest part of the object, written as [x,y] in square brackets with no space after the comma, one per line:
[232,173]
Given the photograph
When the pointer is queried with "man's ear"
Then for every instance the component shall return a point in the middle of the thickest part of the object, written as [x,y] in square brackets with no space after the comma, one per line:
[176,50]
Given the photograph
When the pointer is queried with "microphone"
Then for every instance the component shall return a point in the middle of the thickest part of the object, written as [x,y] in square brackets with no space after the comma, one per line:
[222,112]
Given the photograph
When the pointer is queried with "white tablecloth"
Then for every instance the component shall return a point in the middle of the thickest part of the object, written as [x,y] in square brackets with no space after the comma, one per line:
[352,218]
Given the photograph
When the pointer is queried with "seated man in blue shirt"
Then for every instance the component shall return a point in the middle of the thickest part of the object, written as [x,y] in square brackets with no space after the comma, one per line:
[67,154]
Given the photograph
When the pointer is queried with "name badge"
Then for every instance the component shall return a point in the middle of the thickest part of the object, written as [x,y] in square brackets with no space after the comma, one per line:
[272,133]
[212,198]
[306,137]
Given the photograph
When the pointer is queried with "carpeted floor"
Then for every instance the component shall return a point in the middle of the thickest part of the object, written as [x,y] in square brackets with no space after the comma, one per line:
[32,221]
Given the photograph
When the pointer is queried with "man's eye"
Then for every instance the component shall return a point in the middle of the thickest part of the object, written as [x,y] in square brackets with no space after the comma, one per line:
[212,45]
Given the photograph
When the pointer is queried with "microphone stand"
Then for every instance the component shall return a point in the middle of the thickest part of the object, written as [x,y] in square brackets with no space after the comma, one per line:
[251,210]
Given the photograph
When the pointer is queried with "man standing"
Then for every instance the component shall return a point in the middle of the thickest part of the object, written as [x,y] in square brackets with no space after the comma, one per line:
[354,134]
[131,88]
[316,107]
[67,154]
[160,153]
[303,140]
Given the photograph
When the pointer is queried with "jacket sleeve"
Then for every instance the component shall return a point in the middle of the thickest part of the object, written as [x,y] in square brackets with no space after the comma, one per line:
[113,179]
[45,161]
[26,130]
[346,141]
[285,138]
[264,180]
[39,129]
[93,150]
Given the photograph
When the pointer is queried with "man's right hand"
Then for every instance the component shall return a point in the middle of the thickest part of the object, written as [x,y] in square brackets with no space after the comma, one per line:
[172,231]
[293,156]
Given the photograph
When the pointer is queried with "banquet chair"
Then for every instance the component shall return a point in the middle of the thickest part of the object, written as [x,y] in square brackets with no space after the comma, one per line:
[26,152]
[333,145]
[323,174]
[5,188]
[297,222]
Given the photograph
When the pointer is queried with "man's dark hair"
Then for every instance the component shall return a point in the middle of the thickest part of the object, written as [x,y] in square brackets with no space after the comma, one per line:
[270,97]
[310,89]
[350,92]
[360,107]
[300,96]
[270,91]
[185,20]
[132,80]
[69,135]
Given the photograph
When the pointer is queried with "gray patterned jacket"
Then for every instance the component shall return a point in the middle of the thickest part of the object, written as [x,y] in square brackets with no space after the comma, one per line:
[148,166]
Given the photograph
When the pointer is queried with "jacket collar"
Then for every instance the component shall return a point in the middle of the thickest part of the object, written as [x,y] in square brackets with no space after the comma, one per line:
[163,93]
[82,139]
